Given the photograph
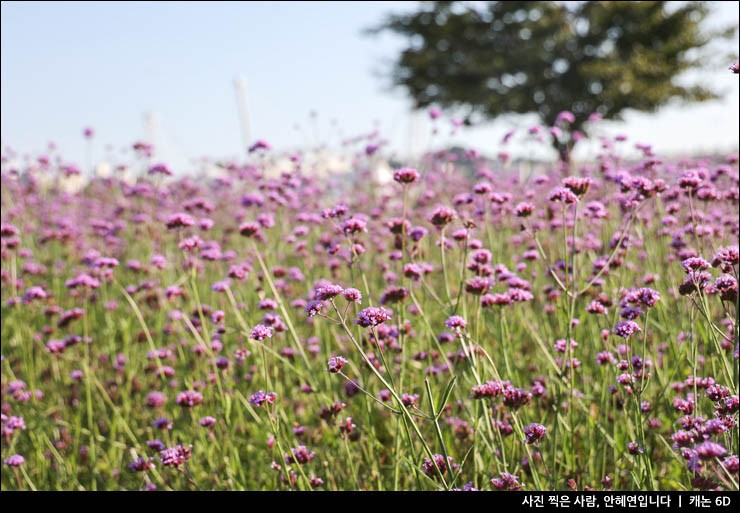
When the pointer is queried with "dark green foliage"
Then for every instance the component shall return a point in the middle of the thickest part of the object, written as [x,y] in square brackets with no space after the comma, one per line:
[495,58]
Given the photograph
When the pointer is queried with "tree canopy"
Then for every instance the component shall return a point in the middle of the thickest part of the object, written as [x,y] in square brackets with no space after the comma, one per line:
[487,59]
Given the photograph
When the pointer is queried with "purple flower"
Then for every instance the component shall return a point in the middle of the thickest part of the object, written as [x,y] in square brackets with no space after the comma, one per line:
[315,482]
[517,295]
[524,209]
[694,264]
[163,423]
[327,292]
[428,466]
[354,225]
[534,433]
[731,463]
[179,220]
[735,68]
[561,345]
[630,313]
[55,346]
[456,323]
[249,229]
[604,358]
[394,294]
[156,445]
[563,195]
[300,455]
[8,230]
[158,261]
[260,397]
[189,398]
[372,316]
[266,220]
[413,271]
[467,487]
[327,412]
[417,233]
[33,293]
[441,216]
[406,175]
[267,304]
[155,399]
[221,286]
[577,185]
[625,379]
[565,116]
[596,307]
[351,294]
[261,144]
[516,397]
[716,392]
[477,285]
[682,438]
[626,328]
[489,389]
[160,169]
[335,364]
[175,456]
[726,258]
[84,281]
[634,448]
[14,461]
[141,464]
[398,225]
[648,297]
[260,332]
[12,424]
[207,422]
[506,482]
[218,316]
[694,280]
[726,285]
[143,148]
[314,308]
[70,315]
[708,450]
[347,427]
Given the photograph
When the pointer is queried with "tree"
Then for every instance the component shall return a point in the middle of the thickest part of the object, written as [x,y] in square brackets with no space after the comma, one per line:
[487,59]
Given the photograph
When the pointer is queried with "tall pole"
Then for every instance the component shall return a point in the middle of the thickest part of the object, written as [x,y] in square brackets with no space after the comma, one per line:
[240,87]
[152,132]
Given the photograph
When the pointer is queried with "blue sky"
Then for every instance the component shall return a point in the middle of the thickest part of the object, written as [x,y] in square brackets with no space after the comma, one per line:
[67,65]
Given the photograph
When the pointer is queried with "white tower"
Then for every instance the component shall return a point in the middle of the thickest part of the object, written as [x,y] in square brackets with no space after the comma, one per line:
[240,87]
[151,124]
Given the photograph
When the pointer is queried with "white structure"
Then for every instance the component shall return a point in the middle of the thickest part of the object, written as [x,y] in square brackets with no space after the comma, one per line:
[151,124]
[240,87]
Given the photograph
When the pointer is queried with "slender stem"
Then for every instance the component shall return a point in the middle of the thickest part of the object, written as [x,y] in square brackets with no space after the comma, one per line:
[281,305]
[612,255]
[444,265]
[461,284]
[393,392]
[371,396]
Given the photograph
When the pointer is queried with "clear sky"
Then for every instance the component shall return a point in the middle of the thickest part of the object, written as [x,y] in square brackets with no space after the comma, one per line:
[68,65]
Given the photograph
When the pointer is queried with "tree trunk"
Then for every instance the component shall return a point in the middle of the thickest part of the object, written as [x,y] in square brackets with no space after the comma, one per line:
[564,151]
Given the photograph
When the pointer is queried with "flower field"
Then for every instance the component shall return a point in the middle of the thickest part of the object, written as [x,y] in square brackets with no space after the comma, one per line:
[472,324]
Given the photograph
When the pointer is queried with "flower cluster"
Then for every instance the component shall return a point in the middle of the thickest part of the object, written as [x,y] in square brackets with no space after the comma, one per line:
[372,316]
[176,456]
